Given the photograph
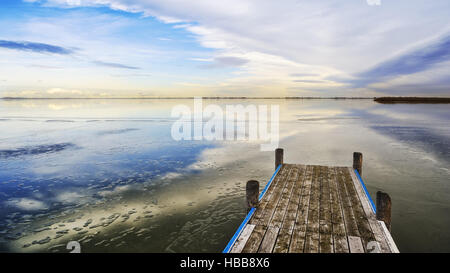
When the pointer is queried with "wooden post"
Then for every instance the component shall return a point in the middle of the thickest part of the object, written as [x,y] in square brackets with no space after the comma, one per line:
[252,192]
[357,162]
[384,208]
[278,157]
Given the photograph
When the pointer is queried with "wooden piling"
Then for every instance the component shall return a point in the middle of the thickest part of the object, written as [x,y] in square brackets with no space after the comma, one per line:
[357,162]
[252,192]
[278,157]
[384,208]
[312,208]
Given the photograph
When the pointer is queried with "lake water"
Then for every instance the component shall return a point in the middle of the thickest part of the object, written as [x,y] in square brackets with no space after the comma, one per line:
[108,174]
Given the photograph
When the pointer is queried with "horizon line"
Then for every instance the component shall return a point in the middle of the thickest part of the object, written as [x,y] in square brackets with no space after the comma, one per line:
[230,97]
[182,97]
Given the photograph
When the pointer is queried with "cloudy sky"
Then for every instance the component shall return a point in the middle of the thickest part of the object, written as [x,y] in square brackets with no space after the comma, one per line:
[129,48]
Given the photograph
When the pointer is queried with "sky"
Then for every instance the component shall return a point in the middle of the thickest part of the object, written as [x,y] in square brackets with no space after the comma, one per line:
[148,48]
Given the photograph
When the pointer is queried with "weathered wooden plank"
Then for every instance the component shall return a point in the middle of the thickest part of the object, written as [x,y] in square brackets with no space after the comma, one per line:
[362,222]
[349,219]
[337,217]
[297,244]
[282,205]
[355,244]
[373,222]
[269,240]
[242,239]
[314,209]
[365,231]
[271,206]
[255,239]
[326,243]
[283,241]
[312,226]
[373,247]
[325,226]
[266,210]
[279,178]
[294,200]
[285,234]
[390,241]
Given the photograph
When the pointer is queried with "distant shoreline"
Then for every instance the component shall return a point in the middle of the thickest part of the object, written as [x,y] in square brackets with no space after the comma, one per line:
[389,100]
[206,98]
[383,100]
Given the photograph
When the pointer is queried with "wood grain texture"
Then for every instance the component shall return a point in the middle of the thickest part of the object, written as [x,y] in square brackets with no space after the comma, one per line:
[375,226]
[355,244]
[255,239]
[269,240]
[362,222]
[325,225]
[298,234]
[242,239]
[310,208]
[281,175]
[337,216]
[312,226]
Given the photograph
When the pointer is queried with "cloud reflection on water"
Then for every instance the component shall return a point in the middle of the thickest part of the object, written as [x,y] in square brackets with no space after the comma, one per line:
[129,187]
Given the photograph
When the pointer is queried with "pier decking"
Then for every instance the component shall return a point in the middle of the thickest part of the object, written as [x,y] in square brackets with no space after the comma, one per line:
[313,209]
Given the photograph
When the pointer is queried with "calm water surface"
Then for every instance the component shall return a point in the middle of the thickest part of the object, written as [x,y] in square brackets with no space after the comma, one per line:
[108,174]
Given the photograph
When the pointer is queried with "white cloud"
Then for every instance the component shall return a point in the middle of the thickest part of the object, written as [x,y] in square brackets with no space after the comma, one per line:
[26,204]
[63,91]
[69,197]
[373,2]
[116,190]
[53,92]
[340,38]
[294,29]
[330,39]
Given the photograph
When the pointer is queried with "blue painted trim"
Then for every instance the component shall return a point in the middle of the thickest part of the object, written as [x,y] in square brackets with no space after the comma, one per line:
[238,231]
[249,215]
[367,193]
[270,182]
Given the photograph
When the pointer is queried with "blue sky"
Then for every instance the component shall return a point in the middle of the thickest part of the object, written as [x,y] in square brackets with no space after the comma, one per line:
[125,48]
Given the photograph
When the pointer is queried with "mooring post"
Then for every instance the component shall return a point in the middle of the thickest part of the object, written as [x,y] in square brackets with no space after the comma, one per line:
[357,162]
[278,157]
[252,192]
[384,208]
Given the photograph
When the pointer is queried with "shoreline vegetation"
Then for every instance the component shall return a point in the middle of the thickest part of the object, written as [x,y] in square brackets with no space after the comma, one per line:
[412,100]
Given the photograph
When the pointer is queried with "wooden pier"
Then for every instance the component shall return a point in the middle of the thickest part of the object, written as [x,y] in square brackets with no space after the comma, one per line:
[314,209]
